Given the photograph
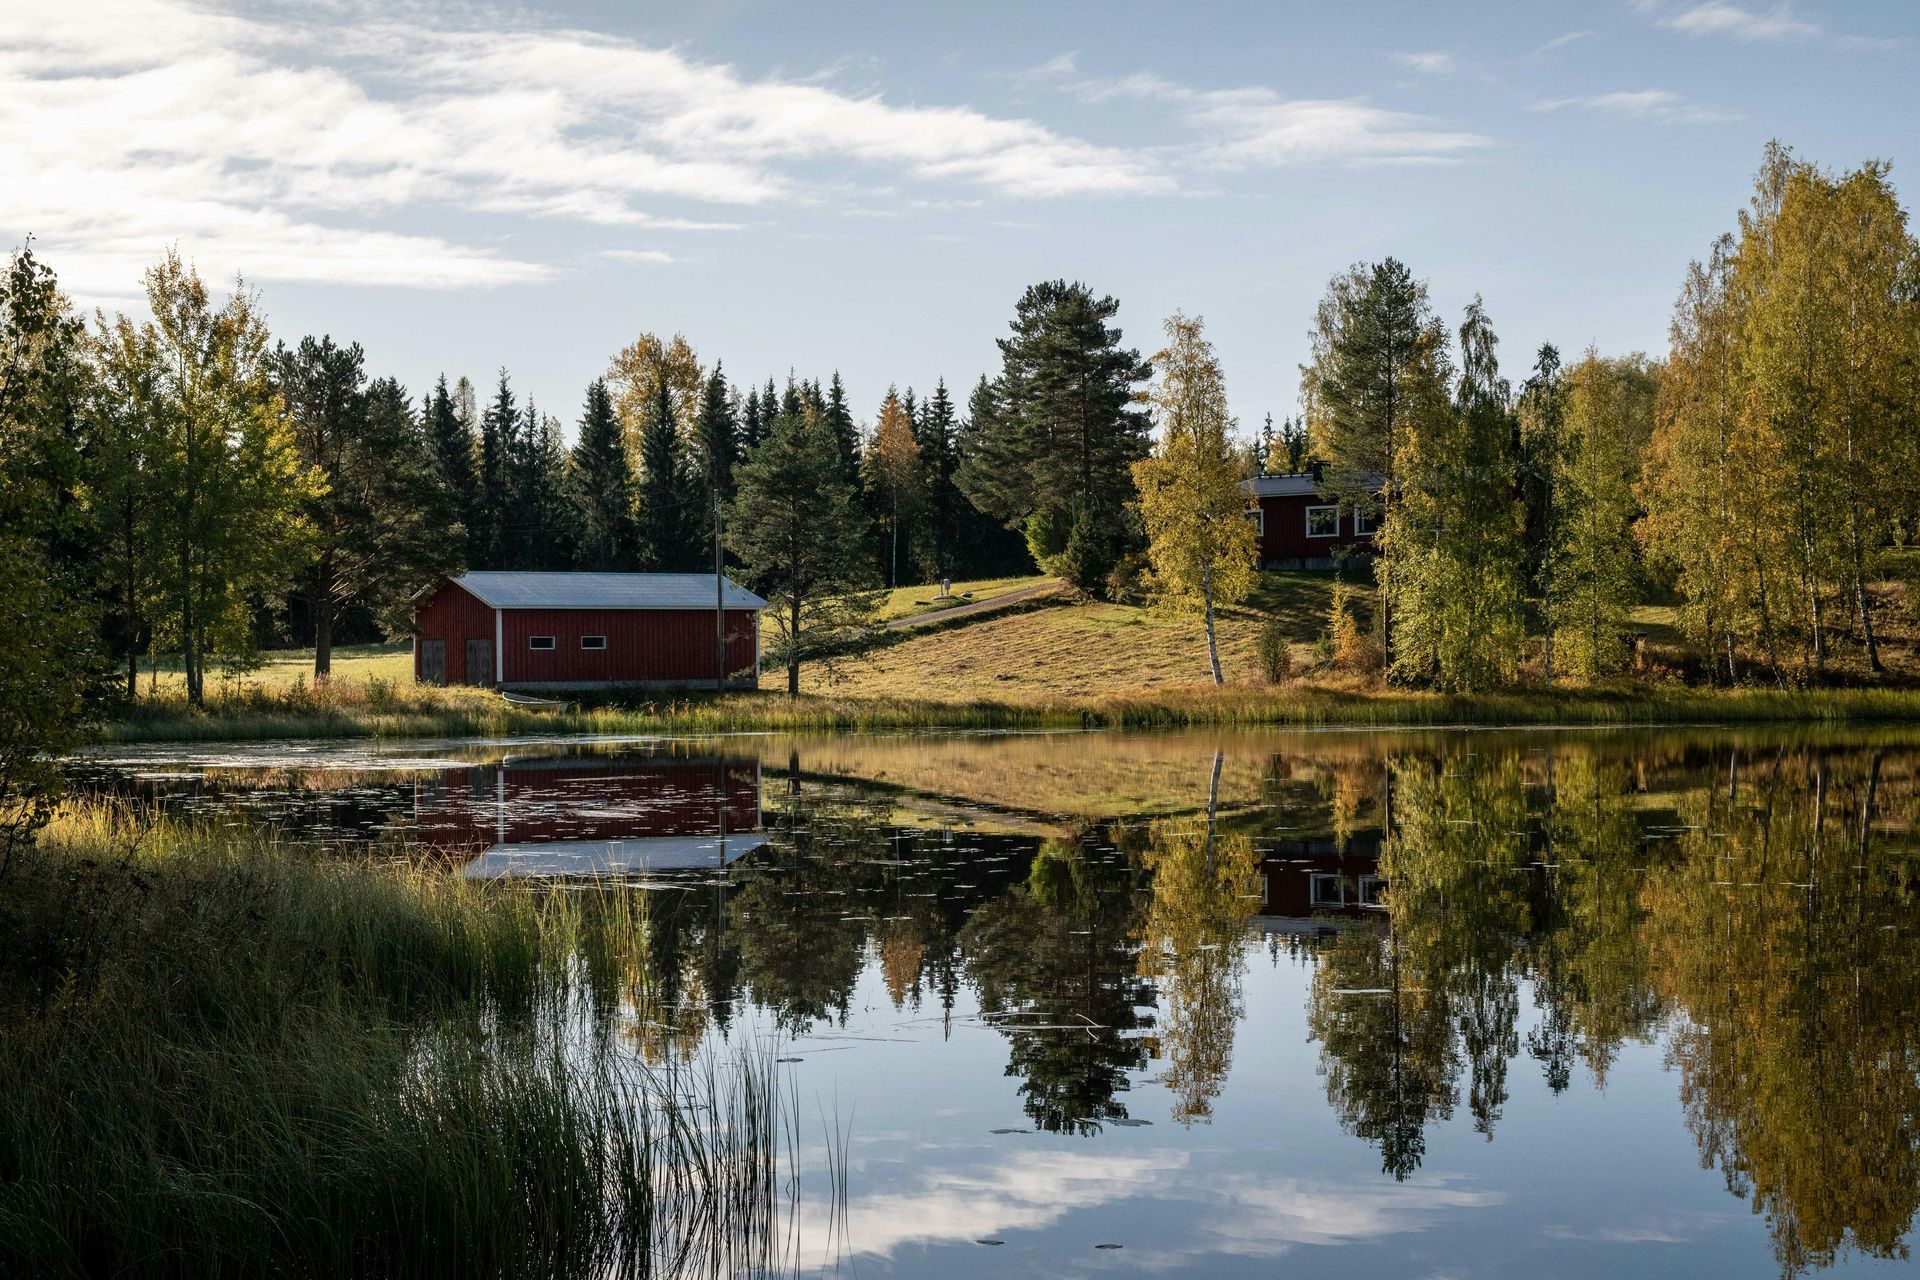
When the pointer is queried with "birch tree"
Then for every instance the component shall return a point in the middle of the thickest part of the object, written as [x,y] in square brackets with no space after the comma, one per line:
[1200,544]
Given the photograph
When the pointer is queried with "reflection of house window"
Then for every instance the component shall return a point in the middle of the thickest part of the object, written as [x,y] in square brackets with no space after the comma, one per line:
[1365,523]
[1323,522]
[1373,892]
[1326,891]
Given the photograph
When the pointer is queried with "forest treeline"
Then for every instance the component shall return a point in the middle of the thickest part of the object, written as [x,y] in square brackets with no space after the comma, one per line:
[186,483]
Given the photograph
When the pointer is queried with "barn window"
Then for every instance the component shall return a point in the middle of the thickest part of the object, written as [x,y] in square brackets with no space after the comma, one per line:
[539,642]
[1323,522]
[1365,522]
[593,642]
[1258,519]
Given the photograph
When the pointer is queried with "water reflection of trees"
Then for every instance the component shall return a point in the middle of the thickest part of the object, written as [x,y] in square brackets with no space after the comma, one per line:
[1759,916]
[1766,923]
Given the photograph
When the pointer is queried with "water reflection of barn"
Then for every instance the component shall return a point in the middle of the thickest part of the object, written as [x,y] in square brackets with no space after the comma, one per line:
[592,814]
[1319,883]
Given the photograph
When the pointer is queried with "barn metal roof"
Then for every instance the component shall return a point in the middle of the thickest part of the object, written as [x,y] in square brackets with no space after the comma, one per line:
[503,590]
[1300,484]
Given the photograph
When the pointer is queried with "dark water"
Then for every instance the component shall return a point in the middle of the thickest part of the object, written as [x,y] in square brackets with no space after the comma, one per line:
[1467,1004]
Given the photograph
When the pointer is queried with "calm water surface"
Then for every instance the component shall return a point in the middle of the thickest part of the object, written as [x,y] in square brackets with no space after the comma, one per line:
[1444,1004]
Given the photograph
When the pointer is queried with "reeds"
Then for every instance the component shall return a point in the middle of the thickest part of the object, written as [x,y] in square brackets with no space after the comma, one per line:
[219,1056]
[471,713]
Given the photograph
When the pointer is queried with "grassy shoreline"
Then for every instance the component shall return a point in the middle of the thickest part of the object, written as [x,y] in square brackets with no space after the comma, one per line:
[429,713]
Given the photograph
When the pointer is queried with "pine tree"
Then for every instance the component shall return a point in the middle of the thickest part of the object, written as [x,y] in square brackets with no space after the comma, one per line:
[669,497]
[1199,540]
[600,484]
[549,532]
[451,445]
[751,429]
[1059,449]
[380,520]
[1541,413]
[838,415]
[1378,358]
[798,534]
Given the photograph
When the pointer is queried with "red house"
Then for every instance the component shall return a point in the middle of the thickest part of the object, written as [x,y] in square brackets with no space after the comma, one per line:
[584,631]
[1301,527]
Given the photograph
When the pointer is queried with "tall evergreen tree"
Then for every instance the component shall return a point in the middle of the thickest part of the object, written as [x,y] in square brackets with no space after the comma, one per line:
[1378,359]
[670,498]
[945,506]
[451,445]
[1057,453]
[542,528]
[751,428]
[379,520]
[717,433]
[498,428]
[600,484]
[799,537]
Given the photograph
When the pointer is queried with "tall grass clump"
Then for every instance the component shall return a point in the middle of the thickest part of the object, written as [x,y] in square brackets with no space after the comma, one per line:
[220,1057]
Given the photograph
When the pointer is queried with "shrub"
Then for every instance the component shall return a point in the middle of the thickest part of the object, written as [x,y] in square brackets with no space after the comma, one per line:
[1273,652]
[1352,649]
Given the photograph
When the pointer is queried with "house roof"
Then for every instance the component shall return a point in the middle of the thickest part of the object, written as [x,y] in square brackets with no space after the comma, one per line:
[1299,485]
[503,590]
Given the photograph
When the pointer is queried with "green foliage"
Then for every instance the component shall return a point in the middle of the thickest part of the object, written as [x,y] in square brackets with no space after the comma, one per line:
[1273,650]
[798,535]
[600,482]
[671,507]
[1592,575]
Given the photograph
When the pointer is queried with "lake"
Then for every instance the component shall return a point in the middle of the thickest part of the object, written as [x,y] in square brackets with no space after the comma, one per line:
[1203,1004]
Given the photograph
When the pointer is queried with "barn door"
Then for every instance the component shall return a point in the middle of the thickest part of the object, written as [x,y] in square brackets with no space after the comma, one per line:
[433,662]
[480,662]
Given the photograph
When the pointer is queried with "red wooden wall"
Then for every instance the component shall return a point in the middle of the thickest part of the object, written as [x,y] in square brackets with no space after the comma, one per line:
[1284,534]
[642,644]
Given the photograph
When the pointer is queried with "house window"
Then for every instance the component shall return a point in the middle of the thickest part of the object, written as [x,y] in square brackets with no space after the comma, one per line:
[539,642]
[1323,522]
[1326,891]
[593,642]
[1258,519]
[1365,522]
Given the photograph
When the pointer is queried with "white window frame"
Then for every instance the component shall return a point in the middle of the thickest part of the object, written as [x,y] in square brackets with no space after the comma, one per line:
[1258,517]
[1312,511]
[1315,879]
[534,644]
[1370,887]
[1365,523]
[593,647]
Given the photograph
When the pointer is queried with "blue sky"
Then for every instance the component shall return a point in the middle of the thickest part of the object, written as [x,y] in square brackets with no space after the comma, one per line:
[868,187]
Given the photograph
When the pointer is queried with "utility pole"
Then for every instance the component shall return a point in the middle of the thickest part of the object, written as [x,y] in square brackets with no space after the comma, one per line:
[719,599]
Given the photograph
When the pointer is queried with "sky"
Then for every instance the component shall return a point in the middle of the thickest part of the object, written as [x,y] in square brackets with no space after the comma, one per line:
[869,187]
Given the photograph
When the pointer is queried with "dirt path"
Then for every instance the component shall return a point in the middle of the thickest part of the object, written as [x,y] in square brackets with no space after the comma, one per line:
[973,606]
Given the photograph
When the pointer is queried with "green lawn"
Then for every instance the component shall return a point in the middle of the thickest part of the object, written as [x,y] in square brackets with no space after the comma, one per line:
[356,663]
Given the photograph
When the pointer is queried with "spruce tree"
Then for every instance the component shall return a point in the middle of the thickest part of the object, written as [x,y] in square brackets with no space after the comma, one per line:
[497,430]
[945,505]
[670,498]
[600,485]
[717,432]
[450,444]
[751,429]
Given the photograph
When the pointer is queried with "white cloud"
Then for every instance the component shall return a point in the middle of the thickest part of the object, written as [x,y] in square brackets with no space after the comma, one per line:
[1717,18]
[1561,42]
[1662,105]
[1258,128]
[303,150]
[1433,63]
[648,257]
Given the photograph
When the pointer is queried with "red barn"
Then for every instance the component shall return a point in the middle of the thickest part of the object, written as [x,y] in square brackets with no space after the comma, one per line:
[1302,528]
[584,631]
